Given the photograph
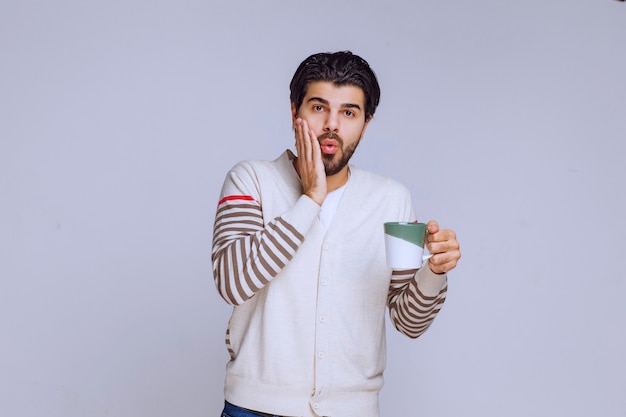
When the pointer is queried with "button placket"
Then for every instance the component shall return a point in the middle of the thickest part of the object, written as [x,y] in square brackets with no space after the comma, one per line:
[322,363]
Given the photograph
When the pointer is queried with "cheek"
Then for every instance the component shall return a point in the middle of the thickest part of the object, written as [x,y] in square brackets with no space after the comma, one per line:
[357,134]
[314,124]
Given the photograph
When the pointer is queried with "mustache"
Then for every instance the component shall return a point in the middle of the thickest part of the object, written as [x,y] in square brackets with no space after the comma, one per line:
[330,135]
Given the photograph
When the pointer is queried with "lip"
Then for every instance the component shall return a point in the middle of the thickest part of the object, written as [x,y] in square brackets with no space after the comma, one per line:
[328,142]
[329,146]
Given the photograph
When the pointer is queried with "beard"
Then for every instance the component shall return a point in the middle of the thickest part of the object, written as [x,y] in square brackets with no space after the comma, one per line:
[332,165]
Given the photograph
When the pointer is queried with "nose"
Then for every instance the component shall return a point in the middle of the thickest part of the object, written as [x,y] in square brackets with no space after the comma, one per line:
[332,123]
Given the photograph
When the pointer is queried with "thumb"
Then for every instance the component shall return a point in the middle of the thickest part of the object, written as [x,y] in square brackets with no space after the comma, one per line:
[432,226]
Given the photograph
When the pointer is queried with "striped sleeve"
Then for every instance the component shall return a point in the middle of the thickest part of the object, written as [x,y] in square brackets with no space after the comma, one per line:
[410,309]
[246,253]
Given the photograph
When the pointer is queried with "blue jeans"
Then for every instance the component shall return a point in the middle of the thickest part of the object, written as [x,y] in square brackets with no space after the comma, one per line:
[231,410]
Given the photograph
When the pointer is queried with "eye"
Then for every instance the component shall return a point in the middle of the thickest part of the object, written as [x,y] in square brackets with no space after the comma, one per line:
[317,107]
[349,113]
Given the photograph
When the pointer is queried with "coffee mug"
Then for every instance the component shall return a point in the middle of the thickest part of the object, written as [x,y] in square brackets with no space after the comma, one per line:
[404,245]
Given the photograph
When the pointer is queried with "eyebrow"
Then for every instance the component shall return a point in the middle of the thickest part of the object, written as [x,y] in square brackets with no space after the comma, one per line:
[343,106]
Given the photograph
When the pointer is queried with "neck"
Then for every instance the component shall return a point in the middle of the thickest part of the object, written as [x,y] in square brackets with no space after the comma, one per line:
[338,180]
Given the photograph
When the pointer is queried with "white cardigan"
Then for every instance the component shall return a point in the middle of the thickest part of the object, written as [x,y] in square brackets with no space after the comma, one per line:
[307,332]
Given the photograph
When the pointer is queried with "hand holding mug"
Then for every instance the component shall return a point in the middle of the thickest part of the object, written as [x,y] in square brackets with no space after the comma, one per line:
[443,246]
[405,243]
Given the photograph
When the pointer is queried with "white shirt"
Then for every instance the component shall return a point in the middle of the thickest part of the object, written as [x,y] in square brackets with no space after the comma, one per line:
[330,204]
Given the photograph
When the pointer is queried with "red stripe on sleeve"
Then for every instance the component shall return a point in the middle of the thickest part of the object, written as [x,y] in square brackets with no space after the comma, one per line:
[235,197]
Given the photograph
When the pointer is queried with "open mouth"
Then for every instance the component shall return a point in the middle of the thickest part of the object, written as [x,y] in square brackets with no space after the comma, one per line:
[329,143]
[328,146]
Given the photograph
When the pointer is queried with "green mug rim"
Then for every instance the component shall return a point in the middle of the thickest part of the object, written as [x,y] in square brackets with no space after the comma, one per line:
[406,231]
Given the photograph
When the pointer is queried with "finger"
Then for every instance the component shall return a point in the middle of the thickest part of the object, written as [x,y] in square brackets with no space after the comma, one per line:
[446,245]
[432,226]
[442,269]
[444,262]
[441,236]
[311,144]
[305,145]
[316,150]
[302,139]
[300,145]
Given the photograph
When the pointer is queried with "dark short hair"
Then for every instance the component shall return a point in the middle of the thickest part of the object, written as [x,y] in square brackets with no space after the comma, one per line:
[340,68]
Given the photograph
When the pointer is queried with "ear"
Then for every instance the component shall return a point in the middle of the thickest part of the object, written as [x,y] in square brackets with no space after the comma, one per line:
[294,115]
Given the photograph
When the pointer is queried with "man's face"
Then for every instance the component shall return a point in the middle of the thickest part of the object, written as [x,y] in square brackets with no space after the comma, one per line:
[336,114]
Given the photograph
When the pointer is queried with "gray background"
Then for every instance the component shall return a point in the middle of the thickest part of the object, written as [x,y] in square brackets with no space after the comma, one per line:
[119,120]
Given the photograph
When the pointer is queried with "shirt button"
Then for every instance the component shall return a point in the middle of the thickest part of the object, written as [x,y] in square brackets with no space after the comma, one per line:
[316,405]
[321,355]
[325,247]
[322,319]
[323,282]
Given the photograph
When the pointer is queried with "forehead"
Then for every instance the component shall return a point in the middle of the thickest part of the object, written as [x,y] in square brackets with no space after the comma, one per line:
[335,94]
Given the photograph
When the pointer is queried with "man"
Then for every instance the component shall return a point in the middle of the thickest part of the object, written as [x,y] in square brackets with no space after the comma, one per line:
[298,250]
